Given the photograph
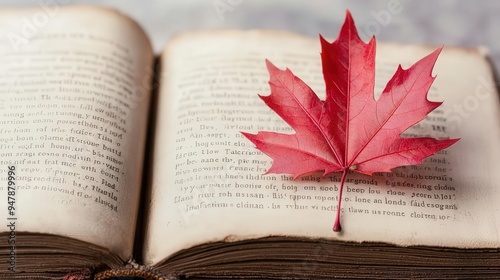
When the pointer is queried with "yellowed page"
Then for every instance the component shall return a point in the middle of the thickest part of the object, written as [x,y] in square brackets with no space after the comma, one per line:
[207,179]
[74,97]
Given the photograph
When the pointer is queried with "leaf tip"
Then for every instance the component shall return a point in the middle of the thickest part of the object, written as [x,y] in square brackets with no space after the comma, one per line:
[434,55]
[434,104]
[270,66]
[322,40]
[348,27]
[348,17]
[249,136]
[453,141]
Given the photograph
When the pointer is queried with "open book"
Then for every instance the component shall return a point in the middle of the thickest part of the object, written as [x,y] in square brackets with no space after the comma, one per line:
[85,186]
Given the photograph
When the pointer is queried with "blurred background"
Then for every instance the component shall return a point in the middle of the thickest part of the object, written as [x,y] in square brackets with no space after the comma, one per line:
[439,22]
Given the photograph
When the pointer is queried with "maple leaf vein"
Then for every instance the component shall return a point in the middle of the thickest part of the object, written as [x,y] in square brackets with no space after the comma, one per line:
[388,115]
[312,119]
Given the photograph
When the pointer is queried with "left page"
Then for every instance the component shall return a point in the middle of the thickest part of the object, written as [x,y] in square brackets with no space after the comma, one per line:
[75,86]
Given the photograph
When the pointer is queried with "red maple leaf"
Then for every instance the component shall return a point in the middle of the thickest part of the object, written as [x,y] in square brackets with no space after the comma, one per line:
[350,130]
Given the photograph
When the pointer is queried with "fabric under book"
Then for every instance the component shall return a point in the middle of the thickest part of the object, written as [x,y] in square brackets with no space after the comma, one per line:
[123,163]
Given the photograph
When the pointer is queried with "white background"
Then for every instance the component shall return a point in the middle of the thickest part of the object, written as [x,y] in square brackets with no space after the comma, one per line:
[440,22]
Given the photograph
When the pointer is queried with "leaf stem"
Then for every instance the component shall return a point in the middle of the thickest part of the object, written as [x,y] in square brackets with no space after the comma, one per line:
[336,226]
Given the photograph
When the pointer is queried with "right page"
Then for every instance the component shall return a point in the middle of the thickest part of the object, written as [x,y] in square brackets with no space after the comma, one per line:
[208,180]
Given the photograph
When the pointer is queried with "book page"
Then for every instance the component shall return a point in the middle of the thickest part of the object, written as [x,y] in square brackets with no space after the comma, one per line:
[208,182]
[73,110]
